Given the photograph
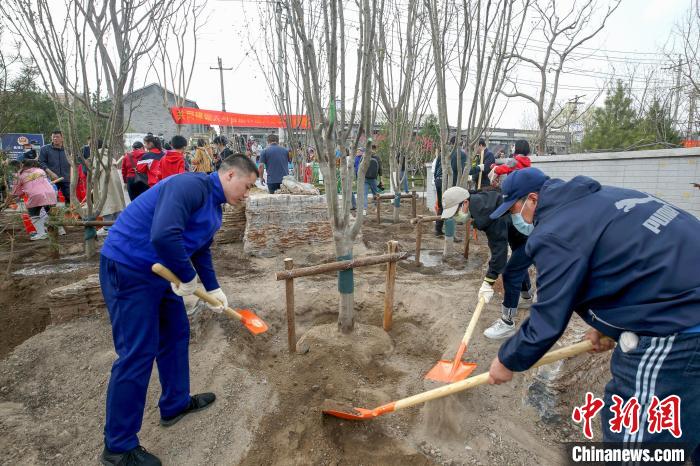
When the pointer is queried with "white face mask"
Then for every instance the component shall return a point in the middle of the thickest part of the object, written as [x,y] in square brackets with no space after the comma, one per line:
[520,224]
[460,217]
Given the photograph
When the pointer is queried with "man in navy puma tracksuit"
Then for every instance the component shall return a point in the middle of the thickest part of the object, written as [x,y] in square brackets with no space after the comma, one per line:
[627,263]
[172,223]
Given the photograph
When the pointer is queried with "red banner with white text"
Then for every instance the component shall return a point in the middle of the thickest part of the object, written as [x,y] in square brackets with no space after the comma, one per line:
[196,116]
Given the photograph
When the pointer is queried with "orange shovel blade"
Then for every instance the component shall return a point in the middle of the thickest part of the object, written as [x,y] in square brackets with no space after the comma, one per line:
[345,411]
[446,371]
[252,322]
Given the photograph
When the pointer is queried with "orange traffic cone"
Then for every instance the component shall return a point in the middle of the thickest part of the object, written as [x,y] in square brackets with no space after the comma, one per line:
[28,225]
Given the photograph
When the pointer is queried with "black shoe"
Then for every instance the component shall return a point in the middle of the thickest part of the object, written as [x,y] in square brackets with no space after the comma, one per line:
[197,403]
[457,239]
[439,234]
[135,457]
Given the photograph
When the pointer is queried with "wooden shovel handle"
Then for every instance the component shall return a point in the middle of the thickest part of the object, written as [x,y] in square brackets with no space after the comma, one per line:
[166,273]
[472,323]
[481,379]
[481,162]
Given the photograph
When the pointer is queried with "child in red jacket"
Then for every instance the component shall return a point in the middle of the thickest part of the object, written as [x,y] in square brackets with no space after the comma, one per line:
[503,167]
[174,161]
[150,161]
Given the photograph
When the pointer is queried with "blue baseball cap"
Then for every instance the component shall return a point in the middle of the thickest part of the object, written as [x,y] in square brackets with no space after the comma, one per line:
[517,185]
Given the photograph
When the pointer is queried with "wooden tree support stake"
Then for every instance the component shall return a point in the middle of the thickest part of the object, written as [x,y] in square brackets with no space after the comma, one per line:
[81,223]
[392,247]
[378,202]
[419,237]
[467,236]
[289,294]
[340,265]
[413,204]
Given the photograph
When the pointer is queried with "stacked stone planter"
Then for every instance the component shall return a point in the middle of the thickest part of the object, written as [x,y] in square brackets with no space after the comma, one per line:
[232,224]
[83,298]
[279,222]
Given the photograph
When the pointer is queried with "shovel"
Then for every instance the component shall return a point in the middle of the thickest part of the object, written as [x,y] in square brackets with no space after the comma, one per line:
[345,411]
[455,370]
[480,175]
[252,322]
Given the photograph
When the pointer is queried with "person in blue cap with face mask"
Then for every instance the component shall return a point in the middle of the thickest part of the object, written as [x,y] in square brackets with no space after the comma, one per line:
[627,263]
[458,203]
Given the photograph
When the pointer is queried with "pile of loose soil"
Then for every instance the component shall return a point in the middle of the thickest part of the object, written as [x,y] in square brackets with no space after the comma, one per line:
[52,386]
[28,276]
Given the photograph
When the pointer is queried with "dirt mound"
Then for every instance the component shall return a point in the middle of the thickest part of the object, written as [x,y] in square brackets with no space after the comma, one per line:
[365,343]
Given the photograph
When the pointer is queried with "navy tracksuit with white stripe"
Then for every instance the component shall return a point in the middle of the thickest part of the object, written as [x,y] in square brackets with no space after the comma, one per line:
[172,223]
[624,261]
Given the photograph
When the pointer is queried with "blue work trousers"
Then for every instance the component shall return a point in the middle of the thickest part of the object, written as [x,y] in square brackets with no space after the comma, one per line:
[658,366]
[515,277]
[370,185]
[149,323]
[404,181]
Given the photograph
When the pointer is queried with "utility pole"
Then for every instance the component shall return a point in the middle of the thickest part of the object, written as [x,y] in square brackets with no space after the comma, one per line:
[679,69]
[573,122]
[691,115]
[678,89]
[221,77]
[280,65]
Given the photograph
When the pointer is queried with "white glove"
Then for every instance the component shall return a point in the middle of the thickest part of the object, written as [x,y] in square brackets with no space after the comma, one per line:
[185,289]
[481,167]
[486,291]
[219,295]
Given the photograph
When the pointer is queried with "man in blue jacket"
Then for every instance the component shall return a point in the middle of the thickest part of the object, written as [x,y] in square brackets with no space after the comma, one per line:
[484,168]
[173,223]
[627,263]
[274,159]
[52,157]
[437,177]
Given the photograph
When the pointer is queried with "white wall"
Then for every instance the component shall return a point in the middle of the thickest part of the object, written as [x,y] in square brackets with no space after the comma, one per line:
[665,173]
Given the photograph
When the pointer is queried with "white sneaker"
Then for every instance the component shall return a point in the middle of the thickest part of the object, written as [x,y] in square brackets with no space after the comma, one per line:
[37,237]
[499,330]
[102,232]
[364,212]
[61,231]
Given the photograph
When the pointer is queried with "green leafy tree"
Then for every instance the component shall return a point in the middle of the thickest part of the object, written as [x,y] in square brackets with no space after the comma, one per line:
[430,129]
[24,108]
[657,127]
[619,126]
[613,126]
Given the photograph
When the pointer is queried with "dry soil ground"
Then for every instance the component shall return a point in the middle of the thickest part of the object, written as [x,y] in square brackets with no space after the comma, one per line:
[53,378]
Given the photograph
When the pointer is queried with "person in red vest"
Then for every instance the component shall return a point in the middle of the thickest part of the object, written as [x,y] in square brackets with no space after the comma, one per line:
[174,161]
[129,170]
[149,164]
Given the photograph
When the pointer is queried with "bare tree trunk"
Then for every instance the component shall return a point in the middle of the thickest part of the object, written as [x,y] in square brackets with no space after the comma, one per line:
[346,303]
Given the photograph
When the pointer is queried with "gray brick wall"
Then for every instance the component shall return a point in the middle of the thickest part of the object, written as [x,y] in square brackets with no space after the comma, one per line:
[666,173]
[149,113]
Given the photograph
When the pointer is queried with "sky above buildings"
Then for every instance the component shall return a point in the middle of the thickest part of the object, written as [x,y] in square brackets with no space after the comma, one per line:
[632,42]
[631,45]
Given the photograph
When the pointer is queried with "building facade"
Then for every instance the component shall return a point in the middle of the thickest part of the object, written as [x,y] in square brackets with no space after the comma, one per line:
[146,110]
